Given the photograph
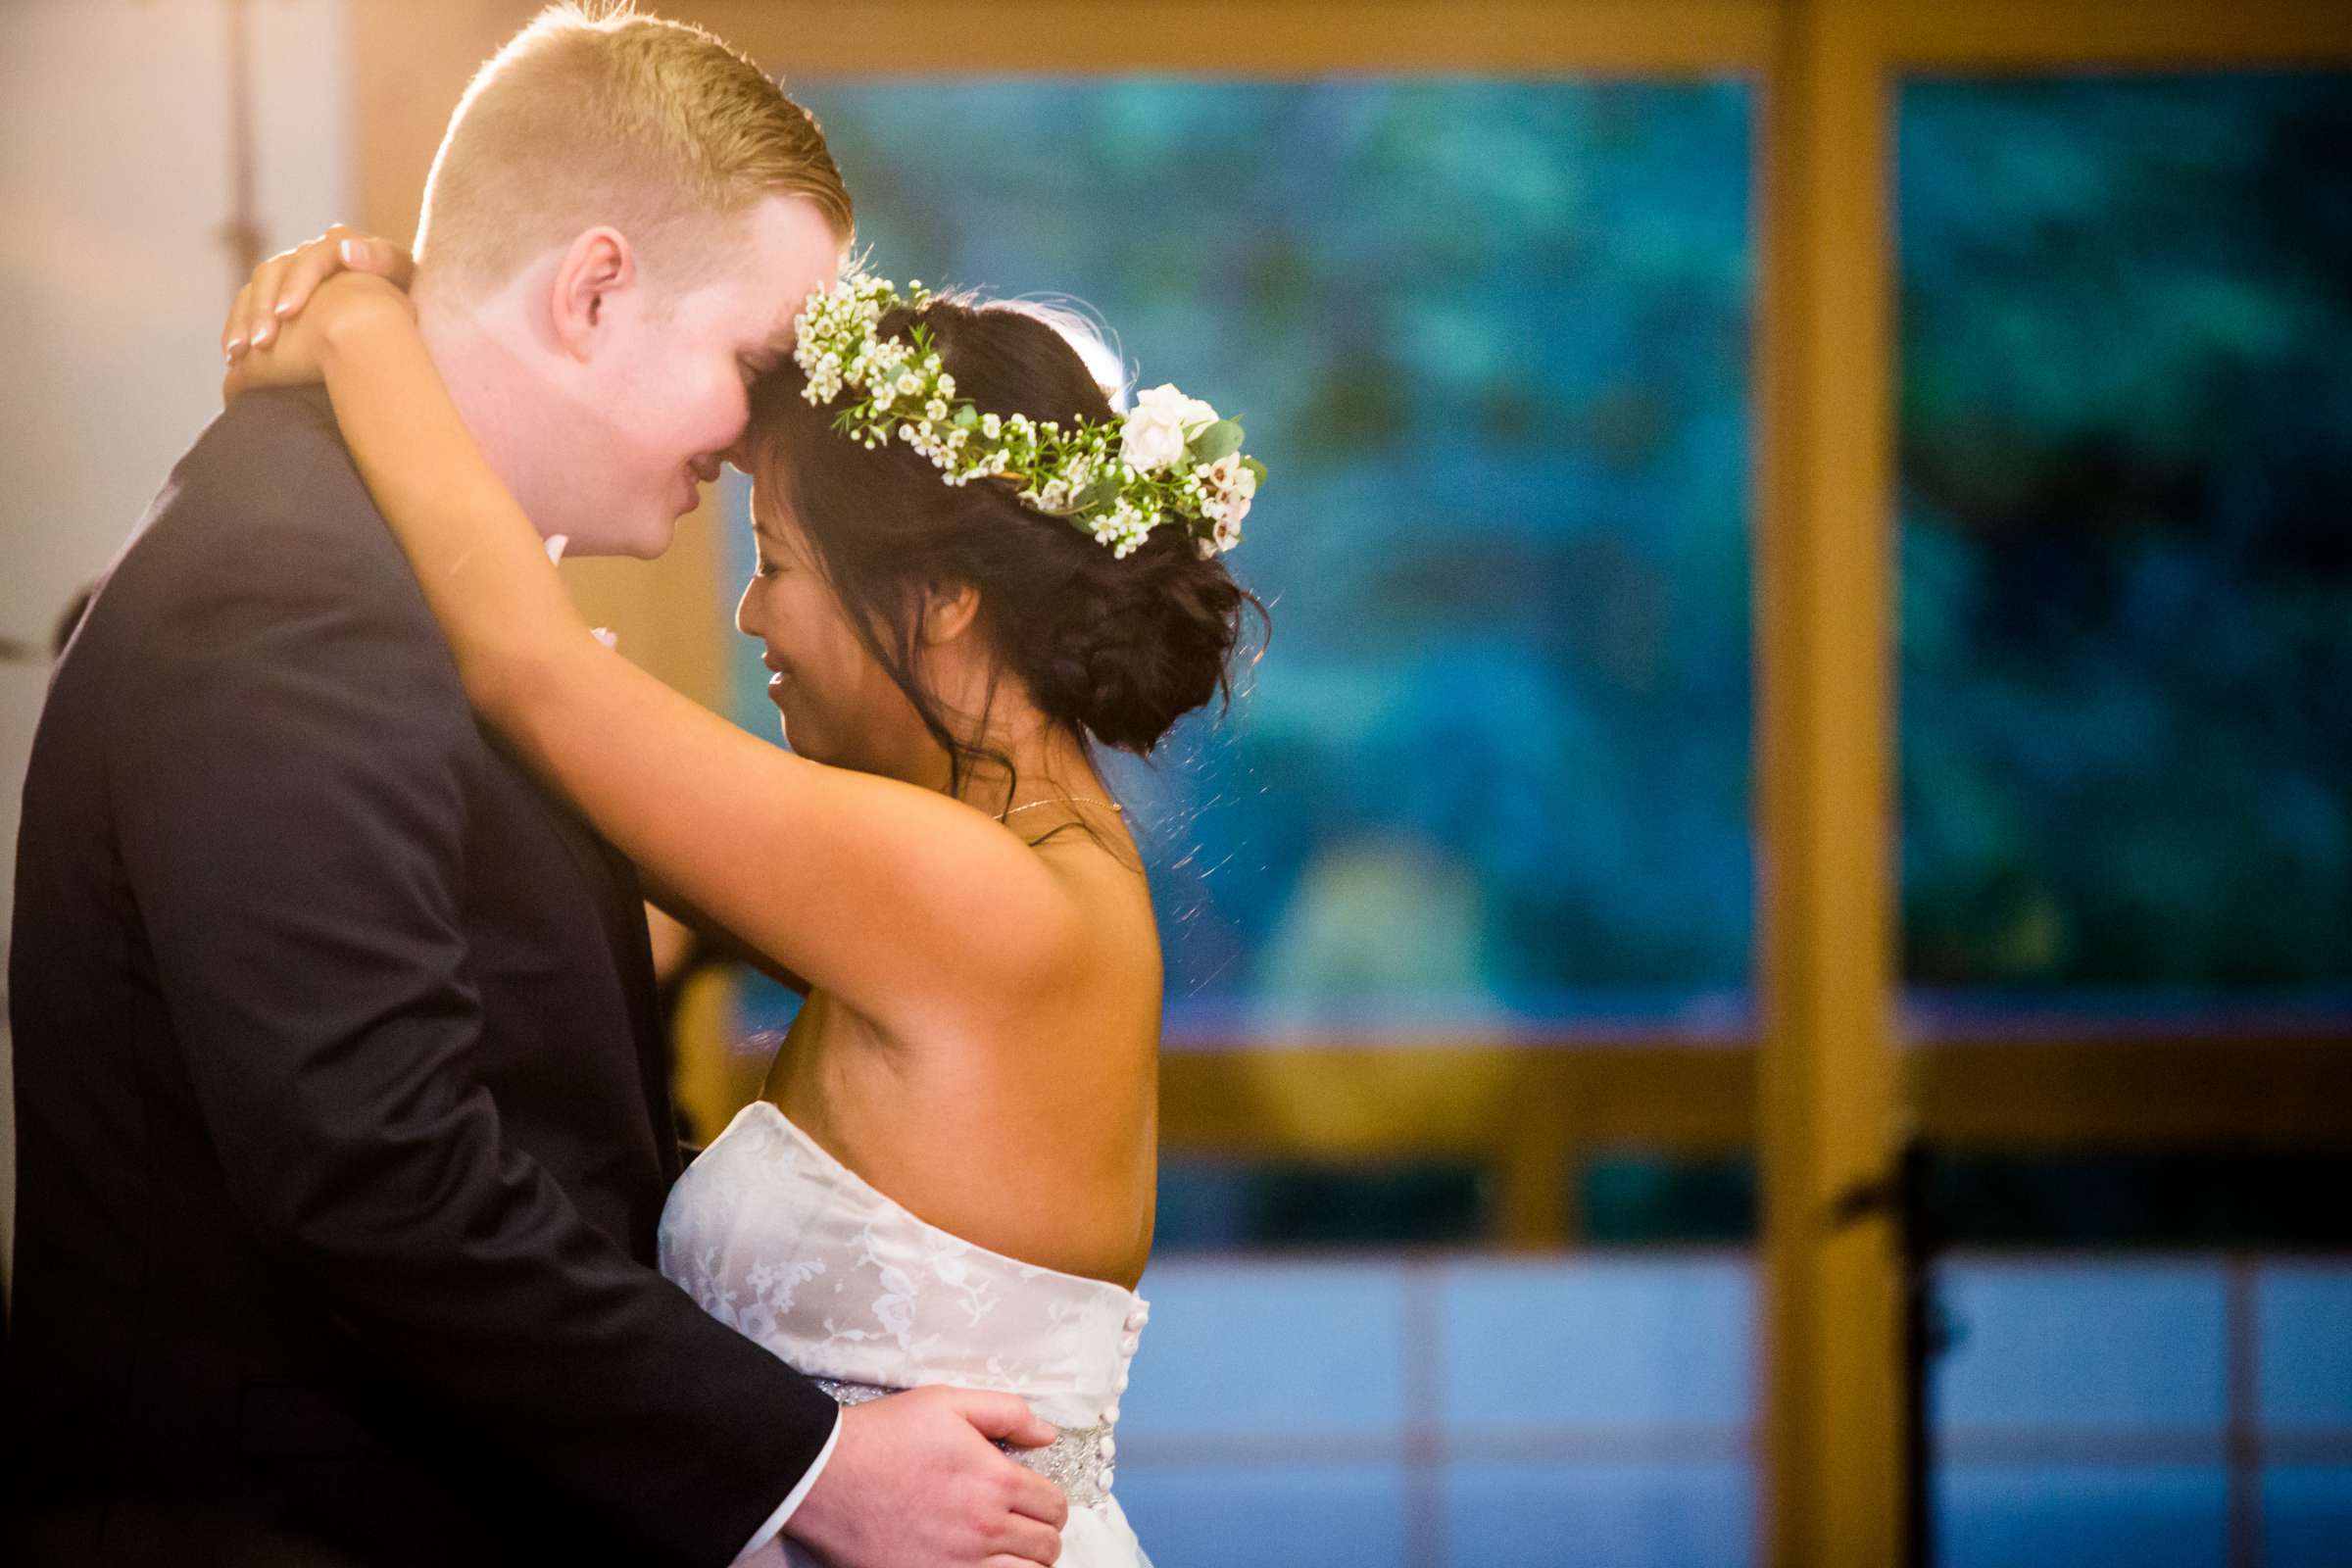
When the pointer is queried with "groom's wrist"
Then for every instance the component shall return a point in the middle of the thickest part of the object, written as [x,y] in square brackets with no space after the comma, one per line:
[773,1529]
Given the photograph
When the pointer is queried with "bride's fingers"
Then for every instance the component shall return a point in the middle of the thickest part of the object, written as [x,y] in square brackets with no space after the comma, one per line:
[283,284]
[312,264]
[372,252]
[232,332]
[261,322]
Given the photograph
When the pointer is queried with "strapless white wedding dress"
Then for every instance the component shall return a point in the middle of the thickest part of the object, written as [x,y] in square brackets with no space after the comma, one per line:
[780,1241]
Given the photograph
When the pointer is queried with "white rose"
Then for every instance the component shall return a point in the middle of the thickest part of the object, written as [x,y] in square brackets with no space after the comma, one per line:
[1162,421]
[1155,439]
[1191,413]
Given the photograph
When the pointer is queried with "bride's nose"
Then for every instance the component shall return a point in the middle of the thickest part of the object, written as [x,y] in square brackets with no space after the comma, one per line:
[744,611]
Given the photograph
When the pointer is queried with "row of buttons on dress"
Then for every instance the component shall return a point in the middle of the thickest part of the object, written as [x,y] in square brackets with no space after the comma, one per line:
[1110,1412]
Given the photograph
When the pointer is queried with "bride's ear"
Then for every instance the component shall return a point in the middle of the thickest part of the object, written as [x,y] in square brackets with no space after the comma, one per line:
[949,611]
[597,264]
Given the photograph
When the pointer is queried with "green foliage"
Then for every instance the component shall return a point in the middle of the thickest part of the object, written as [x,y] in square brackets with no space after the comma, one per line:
[2127,733]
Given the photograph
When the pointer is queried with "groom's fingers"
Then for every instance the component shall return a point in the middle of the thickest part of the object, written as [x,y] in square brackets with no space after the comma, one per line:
[1035,1499]
[1046,1548]
[1004,1415]
[1024,1542]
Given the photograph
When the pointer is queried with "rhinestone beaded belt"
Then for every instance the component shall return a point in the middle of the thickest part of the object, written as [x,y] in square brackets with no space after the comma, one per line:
[1076,1461]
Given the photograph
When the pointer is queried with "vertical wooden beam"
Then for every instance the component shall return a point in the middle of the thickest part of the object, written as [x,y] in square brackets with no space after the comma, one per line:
[406,69]
[1831,1494]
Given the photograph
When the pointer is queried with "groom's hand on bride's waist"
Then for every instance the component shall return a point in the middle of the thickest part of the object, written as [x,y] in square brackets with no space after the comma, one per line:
[918,1480]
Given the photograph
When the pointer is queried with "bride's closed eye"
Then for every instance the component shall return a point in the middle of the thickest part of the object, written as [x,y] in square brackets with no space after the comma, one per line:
[755,366]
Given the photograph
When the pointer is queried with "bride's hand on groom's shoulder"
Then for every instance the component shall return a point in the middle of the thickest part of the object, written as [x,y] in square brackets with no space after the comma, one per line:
[270,336]
[283,284]
[917,1478]
[340,311]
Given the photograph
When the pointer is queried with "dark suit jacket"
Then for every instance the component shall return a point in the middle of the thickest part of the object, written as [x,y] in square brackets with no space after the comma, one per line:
[342,1114]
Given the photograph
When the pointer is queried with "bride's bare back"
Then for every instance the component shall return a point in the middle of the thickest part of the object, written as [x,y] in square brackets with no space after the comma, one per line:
[1030,1132]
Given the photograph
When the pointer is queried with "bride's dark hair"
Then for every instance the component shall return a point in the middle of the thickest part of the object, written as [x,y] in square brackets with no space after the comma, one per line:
[1115,651]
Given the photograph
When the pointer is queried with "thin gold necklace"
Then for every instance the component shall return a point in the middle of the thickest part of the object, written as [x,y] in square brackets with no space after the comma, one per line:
[1061,800]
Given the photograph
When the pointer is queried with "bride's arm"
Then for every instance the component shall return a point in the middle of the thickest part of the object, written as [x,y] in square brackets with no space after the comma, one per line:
[894,898]
[720,942]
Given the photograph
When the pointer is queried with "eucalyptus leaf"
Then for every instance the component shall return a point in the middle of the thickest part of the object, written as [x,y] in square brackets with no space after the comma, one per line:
[1219,440]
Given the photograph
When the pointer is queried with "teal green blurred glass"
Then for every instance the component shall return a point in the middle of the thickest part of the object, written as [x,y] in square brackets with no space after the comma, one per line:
[2126,586]
[1491,337]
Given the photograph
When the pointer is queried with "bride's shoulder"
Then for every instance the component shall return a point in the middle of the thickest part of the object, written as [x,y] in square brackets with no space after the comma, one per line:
[1098,875]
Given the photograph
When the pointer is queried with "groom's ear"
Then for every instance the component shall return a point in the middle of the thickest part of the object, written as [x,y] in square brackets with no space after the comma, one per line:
[597,264]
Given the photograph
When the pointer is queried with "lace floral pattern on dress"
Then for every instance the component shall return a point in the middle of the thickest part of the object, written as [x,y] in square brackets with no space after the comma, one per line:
[776,1238]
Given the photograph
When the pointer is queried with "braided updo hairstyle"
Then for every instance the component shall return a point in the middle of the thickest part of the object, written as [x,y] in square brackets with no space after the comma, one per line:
[1115,651]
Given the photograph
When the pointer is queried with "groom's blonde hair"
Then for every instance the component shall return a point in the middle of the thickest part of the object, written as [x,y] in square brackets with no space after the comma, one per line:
[596,115]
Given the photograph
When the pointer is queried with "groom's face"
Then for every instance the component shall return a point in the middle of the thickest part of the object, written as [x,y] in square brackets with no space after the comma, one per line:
[668,389]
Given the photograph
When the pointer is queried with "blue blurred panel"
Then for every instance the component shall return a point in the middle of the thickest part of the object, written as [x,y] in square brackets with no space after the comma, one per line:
[1627,1516]
[1492,339]
[2304,1317]
[1598,1342]
[2307,1516]
[1306,1516]
[2127,593]
[1268,1347]
[2110,1346]
[2009,1516]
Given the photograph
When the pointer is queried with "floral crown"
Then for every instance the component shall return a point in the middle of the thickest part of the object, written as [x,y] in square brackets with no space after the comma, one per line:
[1172,461]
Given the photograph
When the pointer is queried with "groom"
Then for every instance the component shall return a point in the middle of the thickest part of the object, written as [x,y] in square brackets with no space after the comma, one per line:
[342,1113]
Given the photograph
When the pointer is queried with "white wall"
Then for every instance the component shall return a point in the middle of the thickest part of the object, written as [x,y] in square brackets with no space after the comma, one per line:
[115,183]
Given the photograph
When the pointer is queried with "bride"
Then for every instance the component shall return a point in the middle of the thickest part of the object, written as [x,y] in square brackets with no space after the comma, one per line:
[971,571]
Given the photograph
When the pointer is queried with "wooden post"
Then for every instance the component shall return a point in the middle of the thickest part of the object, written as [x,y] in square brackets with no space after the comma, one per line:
[1832,1489]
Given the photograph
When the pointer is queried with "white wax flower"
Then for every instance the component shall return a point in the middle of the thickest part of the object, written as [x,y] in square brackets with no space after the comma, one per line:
[1228,475]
